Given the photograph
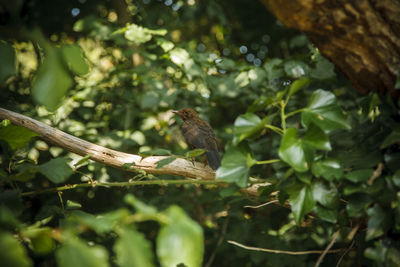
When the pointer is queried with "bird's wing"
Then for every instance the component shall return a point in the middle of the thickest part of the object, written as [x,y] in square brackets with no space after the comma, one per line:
[199,135]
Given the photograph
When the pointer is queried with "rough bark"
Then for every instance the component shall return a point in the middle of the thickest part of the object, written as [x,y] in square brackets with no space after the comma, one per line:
[362,38]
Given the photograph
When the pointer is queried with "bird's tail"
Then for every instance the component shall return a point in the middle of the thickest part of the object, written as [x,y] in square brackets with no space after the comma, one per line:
[214,160]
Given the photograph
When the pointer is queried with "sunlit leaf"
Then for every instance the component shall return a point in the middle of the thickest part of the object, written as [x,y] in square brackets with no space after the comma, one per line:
[180,241]
[247,125]
[56,170]
[73,56]
[326,196]
[235,166]
[140,35]
[16,136]
[41,239]
[323,111]
[132,249]
[317,139]
[183,59]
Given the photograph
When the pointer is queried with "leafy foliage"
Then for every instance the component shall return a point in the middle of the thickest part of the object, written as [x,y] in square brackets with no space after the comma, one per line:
[285,120]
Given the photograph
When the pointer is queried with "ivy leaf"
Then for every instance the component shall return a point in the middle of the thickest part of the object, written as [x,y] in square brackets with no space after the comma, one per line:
[359,175]
[294,152]
[301,199]
[297,85]
[328,168]
[323,111]
[235,166]
[377,222]
[328,215]
[180,241]
[317,139]
[132,249]
[56,170]
[327,197]
[247,125]
[392,138]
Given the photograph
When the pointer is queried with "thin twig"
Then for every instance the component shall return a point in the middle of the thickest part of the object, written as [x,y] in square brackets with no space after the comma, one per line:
[219,242]
[262,205]
[122,184]
[328,247]
[376,174]
[344,253]
[285,251]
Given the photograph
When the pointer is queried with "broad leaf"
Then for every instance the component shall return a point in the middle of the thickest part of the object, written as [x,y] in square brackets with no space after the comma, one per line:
[328,169]
[73,56]
[392,138]
[56,170]
[180,241]
[12,253]
[359,175]
[293,151]
[301,200]
[323,111]
[165,162]
[377,222]
[235,166]
[16,136]
[247,125]
[140,206]
[7,66]
[132,249]
[328,215]
[76,253]
[327,197]
[52,80]
[297,85]
[317,139]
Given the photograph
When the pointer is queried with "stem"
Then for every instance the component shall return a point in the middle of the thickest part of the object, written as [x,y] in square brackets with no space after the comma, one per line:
[283,117]
[267,161]
[122,184]
[294,112]
[275,129]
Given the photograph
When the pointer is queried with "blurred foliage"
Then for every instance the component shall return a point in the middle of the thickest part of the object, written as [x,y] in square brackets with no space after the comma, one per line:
[110,72]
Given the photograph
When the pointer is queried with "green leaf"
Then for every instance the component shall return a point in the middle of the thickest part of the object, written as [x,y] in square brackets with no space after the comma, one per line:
[155,152]
[137,34]
[180,241]
[52,81]
[317,139]
[247,125]
[100,223]
[72,205]
[132,249]
[165,162]
[7,66]
[328,169]
[274,69]
[377,222]
[328,215]
[56,170]
[165,44]
[41,239]
[235,166]
[76,253]
[73,57]
[226,64]
[296,69]
[391,139]
[297,85]
[323,111]
[140,206]
[12,253]
[397,85]
[357,204]
[327,197]
[359,175]
[195,153]
[293,151]
[324,69]
[182,58]
[16,136]
[150,100]
[301,200]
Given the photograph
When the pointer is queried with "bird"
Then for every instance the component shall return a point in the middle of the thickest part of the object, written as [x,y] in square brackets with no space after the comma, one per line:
[199,134]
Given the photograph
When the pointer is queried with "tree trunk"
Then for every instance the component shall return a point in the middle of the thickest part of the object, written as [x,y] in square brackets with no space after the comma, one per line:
[362,38]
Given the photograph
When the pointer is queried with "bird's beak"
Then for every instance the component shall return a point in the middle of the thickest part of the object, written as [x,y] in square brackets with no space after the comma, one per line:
[175,111]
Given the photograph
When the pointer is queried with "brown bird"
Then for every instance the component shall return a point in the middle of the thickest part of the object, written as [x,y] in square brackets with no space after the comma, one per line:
[199,134]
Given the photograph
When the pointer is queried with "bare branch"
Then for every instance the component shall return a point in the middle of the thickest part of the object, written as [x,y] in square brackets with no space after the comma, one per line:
[285,251]
[113,158]
[328,247]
